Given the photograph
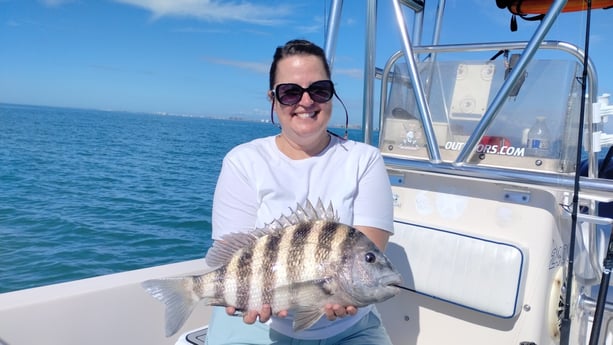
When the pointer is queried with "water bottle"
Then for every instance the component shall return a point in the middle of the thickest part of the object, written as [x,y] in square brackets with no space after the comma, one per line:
[539,140]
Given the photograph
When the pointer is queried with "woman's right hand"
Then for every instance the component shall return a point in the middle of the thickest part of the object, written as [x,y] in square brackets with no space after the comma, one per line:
[251,316]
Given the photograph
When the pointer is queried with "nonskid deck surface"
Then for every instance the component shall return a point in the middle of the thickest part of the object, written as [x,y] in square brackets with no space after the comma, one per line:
[195,337]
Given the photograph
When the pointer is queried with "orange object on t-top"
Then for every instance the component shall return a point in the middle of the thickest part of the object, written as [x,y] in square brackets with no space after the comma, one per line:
[523,7]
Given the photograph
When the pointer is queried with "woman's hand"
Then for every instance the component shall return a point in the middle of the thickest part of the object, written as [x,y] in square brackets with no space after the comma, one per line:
[251,316]
[333,311]
[336,310]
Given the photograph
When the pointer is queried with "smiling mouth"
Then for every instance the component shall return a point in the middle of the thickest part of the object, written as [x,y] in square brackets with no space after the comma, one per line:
[306,115]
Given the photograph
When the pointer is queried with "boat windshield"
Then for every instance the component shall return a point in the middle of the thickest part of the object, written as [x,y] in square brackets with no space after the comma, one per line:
[536,129]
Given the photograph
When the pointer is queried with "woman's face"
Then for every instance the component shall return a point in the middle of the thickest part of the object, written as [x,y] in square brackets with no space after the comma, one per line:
[306,120]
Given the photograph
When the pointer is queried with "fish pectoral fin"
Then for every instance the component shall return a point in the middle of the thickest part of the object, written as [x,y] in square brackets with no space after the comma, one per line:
[306,316]
[308,290]
[329,286]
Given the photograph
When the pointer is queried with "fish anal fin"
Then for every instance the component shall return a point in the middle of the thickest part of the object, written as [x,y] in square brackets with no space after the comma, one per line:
[306,316]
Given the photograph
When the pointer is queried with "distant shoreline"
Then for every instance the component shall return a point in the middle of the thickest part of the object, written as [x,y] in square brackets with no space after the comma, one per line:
[212,117]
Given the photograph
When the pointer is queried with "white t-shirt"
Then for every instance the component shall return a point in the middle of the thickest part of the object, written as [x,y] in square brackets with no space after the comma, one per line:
[258,183]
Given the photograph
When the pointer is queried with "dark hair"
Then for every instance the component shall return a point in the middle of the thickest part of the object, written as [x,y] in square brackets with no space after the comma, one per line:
[296,47]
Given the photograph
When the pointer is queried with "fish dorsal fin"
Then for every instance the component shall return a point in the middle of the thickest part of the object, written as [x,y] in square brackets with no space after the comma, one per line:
[306,213]
[317,212]
[222,250]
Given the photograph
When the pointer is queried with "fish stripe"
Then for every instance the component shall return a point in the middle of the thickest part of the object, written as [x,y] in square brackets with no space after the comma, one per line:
[254,280]
[296,255]
[261,263]
[345,246]
[338,246]
[231,281]
[243,278]
[198,286]
[311,243]
[324,242]
[218,283]
[281,277]
[268,272]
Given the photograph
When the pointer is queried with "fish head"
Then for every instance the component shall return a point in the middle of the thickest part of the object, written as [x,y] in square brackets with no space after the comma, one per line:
[368,276]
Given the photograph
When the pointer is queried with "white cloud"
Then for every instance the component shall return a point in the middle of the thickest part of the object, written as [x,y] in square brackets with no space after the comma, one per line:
[262,67]
[54,3]
[214,10]
[349,72]
[258,67]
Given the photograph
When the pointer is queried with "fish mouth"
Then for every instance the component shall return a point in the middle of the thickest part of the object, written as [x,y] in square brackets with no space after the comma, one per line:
[392,280]
[400,287]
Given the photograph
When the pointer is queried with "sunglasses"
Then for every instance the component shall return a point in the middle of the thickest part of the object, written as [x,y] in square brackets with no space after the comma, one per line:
[290,94]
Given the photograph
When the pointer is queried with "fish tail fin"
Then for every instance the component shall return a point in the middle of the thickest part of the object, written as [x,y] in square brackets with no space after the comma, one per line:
[178,298]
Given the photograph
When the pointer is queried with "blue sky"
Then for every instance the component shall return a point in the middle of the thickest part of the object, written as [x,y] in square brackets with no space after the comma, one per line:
[211,58]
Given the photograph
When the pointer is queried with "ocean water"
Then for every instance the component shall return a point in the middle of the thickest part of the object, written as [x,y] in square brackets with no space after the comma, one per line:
[86,192]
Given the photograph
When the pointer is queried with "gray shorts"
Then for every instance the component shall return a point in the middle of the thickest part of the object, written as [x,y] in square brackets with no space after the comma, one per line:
[231,330]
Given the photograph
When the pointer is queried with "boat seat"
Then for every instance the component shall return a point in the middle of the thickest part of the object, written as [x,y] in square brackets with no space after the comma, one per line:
[476,273]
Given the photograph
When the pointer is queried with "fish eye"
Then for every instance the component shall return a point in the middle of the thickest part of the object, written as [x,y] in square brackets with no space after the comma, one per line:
[370,257]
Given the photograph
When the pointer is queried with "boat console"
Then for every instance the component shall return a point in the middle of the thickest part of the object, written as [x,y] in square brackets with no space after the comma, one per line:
[480,141]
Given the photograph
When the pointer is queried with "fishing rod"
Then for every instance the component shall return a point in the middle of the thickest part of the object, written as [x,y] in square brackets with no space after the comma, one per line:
[602,294]
[413,291]
[405,288]
[565,321]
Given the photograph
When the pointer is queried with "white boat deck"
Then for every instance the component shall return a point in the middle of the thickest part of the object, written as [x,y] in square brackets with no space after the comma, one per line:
[112,309]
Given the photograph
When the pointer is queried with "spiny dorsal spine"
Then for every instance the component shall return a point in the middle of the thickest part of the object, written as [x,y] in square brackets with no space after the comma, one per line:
[304,214]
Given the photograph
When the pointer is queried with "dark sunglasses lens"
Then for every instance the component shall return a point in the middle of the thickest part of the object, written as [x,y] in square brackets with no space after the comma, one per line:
[321,91]
[289,94]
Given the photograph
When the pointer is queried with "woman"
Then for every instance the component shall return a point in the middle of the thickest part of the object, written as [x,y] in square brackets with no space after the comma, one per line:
[259,180]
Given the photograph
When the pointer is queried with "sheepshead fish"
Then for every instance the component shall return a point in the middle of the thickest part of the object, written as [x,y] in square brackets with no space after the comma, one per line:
[299,263]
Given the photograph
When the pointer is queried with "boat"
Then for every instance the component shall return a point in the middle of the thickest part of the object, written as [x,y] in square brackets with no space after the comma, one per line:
[501,225]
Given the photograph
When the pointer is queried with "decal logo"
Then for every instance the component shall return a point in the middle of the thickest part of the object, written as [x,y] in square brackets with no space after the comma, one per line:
[492,145]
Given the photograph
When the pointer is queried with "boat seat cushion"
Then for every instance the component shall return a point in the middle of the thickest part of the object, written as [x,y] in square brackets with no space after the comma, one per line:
[476,273]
